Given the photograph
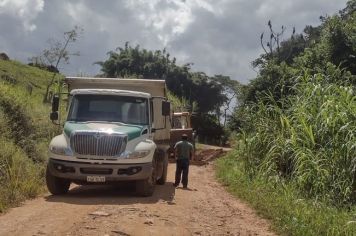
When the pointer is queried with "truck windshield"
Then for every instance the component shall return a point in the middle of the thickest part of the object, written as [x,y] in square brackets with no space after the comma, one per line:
[124,109]
[180,122]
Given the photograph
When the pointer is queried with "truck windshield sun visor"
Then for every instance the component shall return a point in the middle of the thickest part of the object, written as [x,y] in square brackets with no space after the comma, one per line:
[110,108]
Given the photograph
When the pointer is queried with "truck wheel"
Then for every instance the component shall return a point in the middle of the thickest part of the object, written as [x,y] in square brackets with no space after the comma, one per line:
[56,185]
[162,180]
[146,187]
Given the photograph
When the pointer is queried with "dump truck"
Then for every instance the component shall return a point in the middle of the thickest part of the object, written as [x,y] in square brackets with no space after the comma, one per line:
[181,124]
[116,130]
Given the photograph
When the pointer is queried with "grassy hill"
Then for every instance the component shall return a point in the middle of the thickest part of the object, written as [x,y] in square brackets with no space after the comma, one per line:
[25,131]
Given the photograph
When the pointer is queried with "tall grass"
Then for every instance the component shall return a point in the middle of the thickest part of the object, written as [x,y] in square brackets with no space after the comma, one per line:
[25,131]
[20,177]
[308,139]
[282,202]
[26,120]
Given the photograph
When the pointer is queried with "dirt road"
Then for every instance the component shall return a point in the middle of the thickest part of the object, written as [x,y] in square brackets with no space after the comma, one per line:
[205,209]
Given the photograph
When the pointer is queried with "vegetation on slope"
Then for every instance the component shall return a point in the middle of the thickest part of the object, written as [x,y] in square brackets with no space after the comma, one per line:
[282,203]
[296,131]
[308,139]
[24,131]
[296,164]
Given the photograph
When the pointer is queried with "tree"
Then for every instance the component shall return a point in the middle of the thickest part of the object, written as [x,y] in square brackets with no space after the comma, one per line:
[349,10]
[56,54]
[231,89]
[329,48]
[203,94]
[134,62]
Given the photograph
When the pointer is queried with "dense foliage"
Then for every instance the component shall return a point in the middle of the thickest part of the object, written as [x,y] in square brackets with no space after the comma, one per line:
[208,96]
[297,119]
[309,141]
[134,62]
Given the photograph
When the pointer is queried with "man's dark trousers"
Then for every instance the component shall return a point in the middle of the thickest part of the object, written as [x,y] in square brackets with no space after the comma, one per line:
[182,166]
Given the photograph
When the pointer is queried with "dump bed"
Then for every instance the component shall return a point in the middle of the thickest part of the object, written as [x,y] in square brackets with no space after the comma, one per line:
[153,87]
[157,88]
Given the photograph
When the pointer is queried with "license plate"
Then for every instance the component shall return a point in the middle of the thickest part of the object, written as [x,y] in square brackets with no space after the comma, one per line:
[96,179]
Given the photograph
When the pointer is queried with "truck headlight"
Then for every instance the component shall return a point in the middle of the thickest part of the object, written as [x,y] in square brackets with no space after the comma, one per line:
[135,154]
[61,151]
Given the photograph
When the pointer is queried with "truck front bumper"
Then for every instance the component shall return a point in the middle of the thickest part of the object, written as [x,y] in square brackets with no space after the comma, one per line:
[78,171]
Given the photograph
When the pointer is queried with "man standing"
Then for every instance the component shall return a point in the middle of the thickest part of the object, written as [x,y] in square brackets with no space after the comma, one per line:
[184,150]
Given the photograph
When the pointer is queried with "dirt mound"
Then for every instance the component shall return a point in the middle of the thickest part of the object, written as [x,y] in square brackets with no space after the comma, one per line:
[203,156]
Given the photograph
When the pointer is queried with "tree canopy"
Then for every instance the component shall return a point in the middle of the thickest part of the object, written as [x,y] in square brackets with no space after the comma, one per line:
[329,46]
[207,92]
[208,96]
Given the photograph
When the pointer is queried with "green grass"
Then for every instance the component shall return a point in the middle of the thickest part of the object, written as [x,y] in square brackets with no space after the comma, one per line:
[283,205]
[25,131]
[294,159]
[25,74]
[307,138]
[20,177]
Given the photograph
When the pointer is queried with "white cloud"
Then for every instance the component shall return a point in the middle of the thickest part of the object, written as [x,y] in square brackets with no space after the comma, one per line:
[219,37]
[169,18]
[24,10]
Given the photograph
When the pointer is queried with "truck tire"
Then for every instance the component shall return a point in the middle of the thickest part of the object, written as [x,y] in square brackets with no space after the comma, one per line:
[146,187]
[162,180]
[56,185]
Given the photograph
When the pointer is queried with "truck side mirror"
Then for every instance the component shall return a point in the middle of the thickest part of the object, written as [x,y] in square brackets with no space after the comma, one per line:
[55,106]
[54,116]
[55,103]
[166,108]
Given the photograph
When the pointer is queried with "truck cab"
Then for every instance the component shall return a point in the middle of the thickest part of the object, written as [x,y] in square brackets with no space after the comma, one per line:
[116,130]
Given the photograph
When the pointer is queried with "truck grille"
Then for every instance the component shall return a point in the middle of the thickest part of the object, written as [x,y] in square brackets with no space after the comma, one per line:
[98,144]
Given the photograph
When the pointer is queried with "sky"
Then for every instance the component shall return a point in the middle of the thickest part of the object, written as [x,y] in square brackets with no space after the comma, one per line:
[217,36]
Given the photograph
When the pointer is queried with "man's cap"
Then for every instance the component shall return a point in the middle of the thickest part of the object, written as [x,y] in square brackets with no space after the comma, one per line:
[184,136]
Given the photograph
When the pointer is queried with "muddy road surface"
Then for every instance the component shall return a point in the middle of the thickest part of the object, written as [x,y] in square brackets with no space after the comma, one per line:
[204,209]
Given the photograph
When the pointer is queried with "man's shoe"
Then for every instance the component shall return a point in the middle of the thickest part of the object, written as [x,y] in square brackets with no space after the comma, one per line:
[175,185]
[185,187]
